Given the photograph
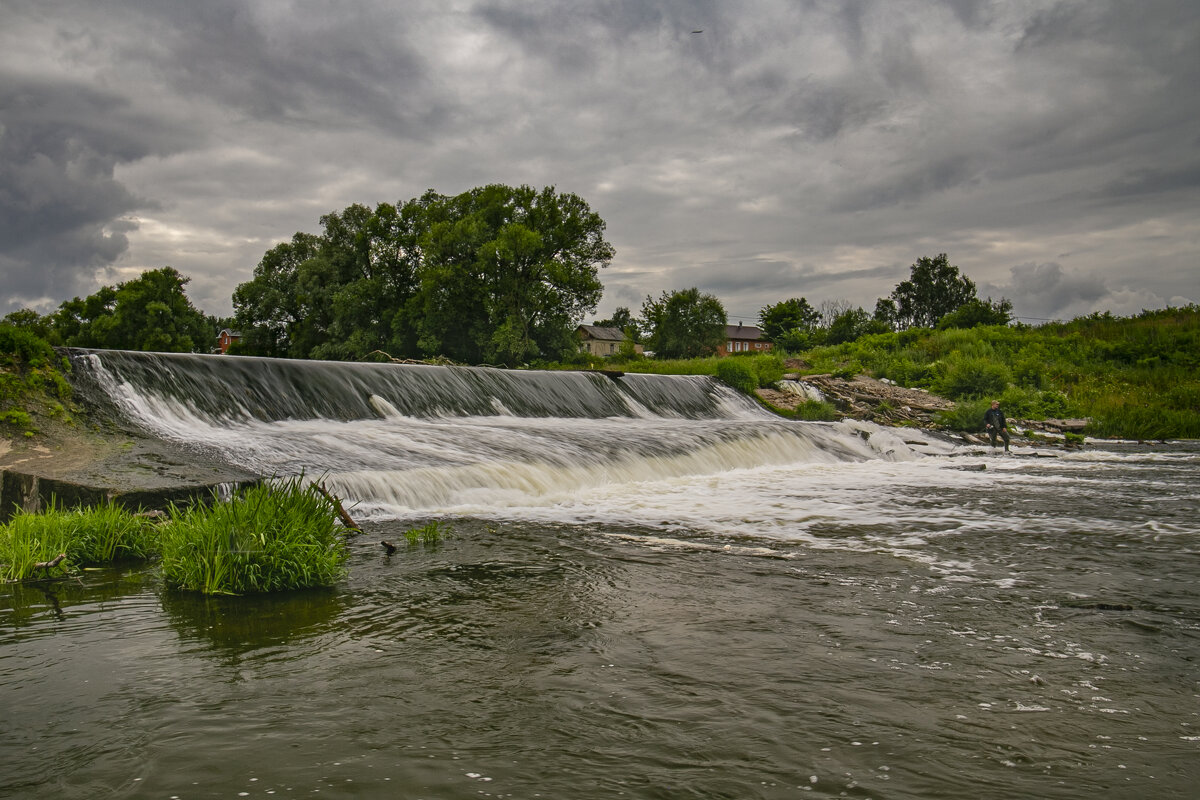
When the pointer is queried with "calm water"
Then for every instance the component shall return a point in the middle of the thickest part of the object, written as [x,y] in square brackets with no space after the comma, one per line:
[823,619]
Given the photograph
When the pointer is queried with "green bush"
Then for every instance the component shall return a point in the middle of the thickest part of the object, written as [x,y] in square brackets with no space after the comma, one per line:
[973,377]
[738,373]
[769,368]
[816,411]
[967,415]
[272,537]
[23,348]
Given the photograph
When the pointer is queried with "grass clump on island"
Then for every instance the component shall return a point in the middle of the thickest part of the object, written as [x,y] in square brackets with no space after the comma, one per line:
[430,533]
[269,538]
[100,535]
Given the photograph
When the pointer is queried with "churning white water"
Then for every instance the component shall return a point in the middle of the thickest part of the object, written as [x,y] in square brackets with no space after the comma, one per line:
[667,453]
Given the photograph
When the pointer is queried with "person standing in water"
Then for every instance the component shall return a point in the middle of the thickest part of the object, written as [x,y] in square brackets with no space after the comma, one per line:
[995,424]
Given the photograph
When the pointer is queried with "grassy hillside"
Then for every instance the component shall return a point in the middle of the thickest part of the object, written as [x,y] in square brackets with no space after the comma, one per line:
[1134,377]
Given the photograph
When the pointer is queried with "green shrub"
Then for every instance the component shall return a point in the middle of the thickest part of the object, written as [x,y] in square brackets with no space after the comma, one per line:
[816,411]
[272,537]
[967,415]
[23,348]
[17,418]
[769,368]
[738,373]
[973,377]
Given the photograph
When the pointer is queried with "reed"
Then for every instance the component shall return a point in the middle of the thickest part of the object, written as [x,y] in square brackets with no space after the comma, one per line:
[98,535]
[272,537]
[429,533]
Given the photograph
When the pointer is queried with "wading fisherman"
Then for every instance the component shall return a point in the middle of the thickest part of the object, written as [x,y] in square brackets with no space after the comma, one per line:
[995,424]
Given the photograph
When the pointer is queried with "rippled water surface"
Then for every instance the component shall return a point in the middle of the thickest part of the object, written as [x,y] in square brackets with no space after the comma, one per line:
[958,625]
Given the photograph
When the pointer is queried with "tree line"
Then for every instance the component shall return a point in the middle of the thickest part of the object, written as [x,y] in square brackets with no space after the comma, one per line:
[688,324]
[496,275]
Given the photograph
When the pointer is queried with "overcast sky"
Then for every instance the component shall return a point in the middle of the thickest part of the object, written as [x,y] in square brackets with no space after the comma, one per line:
[756,150]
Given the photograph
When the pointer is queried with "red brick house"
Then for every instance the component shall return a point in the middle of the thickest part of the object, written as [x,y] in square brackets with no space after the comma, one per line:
[743,339]
[225,338]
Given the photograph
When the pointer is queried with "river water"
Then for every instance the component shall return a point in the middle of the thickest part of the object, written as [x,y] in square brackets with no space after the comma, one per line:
[702,603]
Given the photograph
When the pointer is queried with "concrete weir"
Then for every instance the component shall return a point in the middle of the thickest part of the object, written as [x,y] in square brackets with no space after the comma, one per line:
[87,470]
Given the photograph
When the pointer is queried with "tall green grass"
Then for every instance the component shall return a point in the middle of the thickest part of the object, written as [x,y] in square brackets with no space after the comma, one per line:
[87,536]
[1134,377]
[270,538]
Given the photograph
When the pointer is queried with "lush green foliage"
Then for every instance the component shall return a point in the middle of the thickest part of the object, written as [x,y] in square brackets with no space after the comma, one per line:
[684,324]
[738,373]
[494,275]
[269,538]
[150,313]
[815,411]
[100,535]
[31,378]
[788,318]
[934,289]
[1136,377]
[978,312]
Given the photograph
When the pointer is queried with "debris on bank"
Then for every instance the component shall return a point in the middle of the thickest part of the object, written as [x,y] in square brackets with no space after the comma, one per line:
[861,397]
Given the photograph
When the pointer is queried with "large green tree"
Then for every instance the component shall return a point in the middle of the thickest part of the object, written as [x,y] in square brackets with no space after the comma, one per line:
[934,289]
[493,275]
[150,312]
[789,322]
[684,323]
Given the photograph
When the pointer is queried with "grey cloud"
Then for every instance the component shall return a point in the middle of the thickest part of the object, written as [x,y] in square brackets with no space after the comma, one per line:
[60,204]
[940,174]
[348,63]
[1048,291]
[1154,182]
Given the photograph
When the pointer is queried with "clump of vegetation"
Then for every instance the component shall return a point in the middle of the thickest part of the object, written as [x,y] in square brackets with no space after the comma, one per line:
[816,411]
[430,533]
[87,536]
[738,373]
[967,415]
[31,379]
[269,538]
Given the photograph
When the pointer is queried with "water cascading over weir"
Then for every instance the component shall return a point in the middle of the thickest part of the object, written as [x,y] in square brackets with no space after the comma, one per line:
[399,440]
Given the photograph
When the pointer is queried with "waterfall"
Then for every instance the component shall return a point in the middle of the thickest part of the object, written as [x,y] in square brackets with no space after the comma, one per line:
[401,440]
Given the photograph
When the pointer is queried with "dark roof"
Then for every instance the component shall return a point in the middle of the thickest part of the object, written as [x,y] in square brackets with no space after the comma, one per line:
[605,334]
[743,332]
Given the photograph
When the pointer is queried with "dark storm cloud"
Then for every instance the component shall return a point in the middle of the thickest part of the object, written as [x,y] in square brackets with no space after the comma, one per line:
[347,63]
[793,148]
[60,205]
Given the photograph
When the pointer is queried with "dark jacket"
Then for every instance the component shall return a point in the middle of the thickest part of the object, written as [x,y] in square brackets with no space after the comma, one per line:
[995,418]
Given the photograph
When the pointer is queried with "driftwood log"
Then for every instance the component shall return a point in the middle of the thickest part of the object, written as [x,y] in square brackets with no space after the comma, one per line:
[49,565]
[337,504]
